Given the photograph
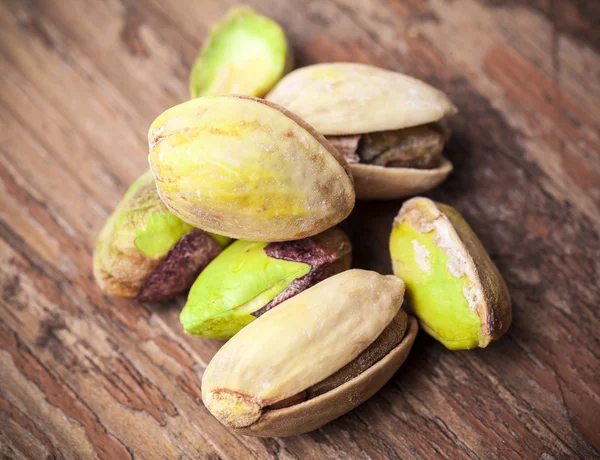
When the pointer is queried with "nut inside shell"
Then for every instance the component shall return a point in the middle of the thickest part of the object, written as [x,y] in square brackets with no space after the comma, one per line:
[395,164]
[318,332]
[386,124]
[250,278]
[398,163]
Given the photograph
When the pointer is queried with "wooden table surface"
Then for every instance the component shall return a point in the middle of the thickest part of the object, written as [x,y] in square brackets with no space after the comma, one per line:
[83,375]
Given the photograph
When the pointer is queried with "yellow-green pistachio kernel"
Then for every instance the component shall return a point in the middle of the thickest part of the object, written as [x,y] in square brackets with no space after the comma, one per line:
[245,53]
[248,169]
[249,278]
[452,286]
[145,251]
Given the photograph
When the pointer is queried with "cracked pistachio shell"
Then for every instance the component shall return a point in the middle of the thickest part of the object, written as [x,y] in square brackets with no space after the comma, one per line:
[245,53]
[249,278]
[453,287]
[302,342]
[348,99]
[140,242]
[248,169]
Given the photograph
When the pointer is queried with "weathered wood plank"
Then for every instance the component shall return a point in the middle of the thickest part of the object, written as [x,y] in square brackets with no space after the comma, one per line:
[87,376]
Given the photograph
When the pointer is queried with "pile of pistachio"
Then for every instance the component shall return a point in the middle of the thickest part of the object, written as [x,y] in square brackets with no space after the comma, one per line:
[241,204]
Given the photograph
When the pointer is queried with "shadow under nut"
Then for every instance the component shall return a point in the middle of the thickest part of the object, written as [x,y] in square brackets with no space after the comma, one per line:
[316,412]
[373,182]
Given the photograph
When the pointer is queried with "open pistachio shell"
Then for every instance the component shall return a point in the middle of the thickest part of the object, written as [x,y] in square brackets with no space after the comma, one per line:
[319,331]
[346,99]
[453,287]
[246,53]
[249,278]
[248,169]
[145,251]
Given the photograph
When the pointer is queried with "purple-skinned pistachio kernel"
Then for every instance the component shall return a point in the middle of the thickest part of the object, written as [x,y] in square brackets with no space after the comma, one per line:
[327,254]
[182,265]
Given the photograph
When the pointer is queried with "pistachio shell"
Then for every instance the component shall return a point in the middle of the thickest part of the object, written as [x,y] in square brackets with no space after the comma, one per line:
[374,182]
[248,169]
[246,53]
[250,278]
[346,98]
[453,287]
[136,247]
[316,412]
[319,331]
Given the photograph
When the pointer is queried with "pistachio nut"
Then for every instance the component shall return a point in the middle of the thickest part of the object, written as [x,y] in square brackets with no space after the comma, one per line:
[248,169]
[245,53]
[313,358]
[386,123]
[144,251]
[452,285]
[249,278]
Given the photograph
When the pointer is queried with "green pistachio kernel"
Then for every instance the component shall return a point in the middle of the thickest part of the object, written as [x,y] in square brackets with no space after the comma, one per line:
[249,278]
[246,53]
[452,285]
[136,238]
[238,282]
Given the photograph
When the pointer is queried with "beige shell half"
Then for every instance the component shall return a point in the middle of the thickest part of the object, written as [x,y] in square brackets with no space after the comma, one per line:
[348,98]
[373,182]
[316,412]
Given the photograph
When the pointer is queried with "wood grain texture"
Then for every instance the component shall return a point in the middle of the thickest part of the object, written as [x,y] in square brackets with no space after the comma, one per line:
[87,376]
